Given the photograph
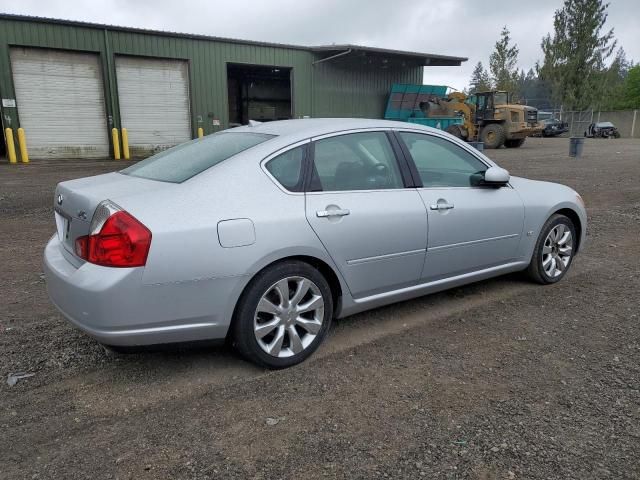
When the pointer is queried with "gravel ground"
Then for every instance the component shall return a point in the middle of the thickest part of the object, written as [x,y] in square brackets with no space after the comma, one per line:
[497,380]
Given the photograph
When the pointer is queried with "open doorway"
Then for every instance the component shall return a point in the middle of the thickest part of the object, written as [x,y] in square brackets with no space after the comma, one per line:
[258,93]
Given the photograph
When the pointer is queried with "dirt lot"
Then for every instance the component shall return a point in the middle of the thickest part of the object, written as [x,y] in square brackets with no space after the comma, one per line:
[500,379]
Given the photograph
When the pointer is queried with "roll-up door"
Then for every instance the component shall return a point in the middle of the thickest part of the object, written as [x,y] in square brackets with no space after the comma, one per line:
[60,100]
[154,102]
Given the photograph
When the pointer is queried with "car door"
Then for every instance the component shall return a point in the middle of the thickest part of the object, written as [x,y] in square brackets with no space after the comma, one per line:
[471,227]
[374,228]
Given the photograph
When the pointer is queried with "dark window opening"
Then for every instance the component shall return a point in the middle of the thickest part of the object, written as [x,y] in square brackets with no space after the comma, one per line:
[258,93]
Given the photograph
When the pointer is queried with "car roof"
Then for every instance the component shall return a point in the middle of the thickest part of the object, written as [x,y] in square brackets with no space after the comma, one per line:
[313,127]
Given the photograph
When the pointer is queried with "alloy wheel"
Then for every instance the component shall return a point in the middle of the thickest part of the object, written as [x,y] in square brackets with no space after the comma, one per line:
[557,251]
[288,317]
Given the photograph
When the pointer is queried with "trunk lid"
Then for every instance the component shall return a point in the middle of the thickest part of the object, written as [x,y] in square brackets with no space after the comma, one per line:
[75,201]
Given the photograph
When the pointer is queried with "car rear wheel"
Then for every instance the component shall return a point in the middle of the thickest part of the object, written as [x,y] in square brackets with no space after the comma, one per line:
[554,250]
[283,315]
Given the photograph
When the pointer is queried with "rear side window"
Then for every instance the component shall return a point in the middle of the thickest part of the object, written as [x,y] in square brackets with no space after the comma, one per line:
[186,160]
[355,161]
[286,168]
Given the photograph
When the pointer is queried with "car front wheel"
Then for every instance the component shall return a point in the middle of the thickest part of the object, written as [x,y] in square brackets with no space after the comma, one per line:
[554,250]
[283,315]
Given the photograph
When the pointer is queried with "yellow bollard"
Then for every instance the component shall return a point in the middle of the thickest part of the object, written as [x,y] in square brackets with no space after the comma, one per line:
[125,144]
[200,132]
[116,143]
[11,147]
[22,143]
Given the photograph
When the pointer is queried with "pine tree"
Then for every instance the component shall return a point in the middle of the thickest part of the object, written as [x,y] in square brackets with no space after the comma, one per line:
[480,80]
[502,62]
[622,84]
[632,88]
[575,55]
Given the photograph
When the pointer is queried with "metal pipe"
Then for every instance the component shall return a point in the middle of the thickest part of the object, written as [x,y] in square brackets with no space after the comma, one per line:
[346,52]
[22,144]
[125,144]
[116,143]
[11,147]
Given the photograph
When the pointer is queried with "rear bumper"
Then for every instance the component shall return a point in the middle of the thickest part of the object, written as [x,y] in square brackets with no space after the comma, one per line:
[113,305]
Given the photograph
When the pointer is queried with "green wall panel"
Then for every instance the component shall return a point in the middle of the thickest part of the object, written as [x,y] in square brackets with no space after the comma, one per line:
[333,88]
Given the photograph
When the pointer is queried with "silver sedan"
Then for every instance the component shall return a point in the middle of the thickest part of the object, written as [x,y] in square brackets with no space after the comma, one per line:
[262,234]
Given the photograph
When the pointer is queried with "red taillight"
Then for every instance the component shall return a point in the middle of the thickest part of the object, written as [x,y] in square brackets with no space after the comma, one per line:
[121,242]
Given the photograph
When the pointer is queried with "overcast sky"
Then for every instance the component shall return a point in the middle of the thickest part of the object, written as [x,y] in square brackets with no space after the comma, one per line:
[454,27]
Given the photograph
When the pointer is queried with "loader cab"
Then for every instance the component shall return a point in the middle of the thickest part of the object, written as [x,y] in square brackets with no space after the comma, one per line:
[487,102]
[485,106]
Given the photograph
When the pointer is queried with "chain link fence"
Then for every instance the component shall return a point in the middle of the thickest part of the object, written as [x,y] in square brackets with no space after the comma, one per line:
[626,121]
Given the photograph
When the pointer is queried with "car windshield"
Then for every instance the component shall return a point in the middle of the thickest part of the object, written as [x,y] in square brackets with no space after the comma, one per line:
[186,160]
[604,124]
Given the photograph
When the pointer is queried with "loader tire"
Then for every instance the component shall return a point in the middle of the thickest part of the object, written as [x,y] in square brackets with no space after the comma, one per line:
[493,135]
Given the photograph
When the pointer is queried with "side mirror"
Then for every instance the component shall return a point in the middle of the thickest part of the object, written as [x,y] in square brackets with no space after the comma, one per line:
[496,176]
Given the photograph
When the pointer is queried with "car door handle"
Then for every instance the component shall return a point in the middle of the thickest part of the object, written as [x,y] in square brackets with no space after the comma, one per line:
[441,206]
[341,212]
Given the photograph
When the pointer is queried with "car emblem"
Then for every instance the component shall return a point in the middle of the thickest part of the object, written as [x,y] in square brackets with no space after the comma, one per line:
[60,199]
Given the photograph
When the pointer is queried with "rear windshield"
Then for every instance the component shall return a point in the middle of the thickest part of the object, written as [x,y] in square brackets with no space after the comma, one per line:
[186,160]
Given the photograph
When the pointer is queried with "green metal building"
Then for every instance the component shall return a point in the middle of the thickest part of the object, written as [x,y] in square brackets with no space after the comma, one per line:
[69,83]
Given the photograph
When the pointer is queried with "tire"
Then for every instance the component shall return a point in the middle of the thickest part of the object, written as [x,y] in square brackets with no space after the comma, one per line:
[454,130]
[514,143]
[539,269]
[493,135]
[279,317]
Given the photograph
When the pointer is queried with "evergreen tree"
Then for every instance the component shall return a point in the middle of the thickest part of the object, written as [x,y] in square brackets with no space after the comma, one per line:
[480,80]
[627,95]
[502,63]
[612,82]
[632,88]
[575,55]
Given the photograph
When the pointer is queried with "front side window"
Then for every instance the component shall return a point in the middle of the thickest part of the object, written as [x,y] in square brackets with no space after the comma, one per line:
[355,161]
[186,160]
[442,163]
[286,168]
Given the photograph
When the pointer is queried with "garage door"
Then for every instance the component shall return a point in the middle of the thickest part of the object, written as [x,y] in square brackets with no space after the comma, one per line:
[154,102]
[60,101]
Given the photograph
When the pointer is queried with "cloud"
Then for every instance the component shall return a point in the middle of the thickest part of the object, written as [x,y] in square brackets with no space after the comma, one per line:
[454,27]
